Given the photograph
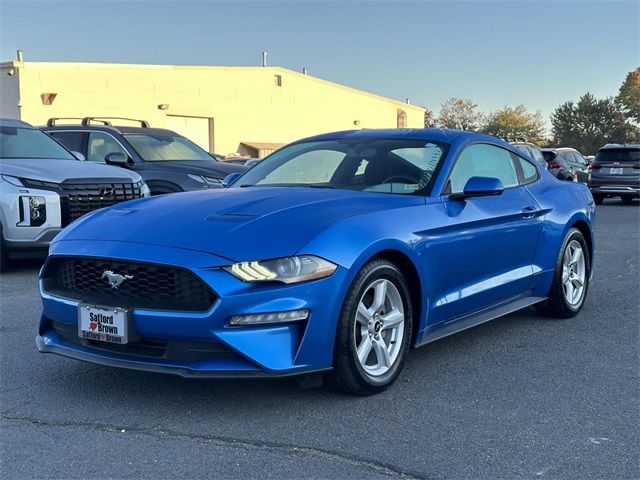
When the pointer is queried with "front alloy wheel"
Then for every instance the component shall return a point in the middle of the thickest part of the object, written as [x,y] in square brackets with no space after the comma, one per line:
[379,327]
[374,331]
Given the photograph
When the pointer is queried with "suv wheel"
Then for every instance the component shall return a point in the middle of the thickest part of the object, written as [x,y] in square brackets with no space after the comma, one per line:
[627,199]
[4,254]
[598,199]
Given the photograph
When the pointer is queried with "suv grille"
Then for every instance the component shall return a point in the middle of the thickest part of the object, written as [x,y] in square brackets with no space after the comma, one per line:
[153,286]
[79,198]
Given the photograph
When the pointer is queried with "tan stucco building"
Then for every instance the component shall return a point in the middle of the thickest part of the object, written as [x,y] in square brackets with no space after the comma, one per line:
[251,110]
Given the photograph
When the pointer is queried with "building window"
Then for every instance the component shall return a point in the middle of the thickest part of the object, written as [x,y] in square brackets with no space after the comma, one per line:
[278,80]
[402,119]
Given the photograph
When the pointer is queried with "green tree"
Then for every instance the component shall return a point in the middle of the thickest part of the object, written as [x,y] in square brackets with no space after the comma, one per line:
[629,95]
[429,119]
[459,113]
[514,123]
[590,123]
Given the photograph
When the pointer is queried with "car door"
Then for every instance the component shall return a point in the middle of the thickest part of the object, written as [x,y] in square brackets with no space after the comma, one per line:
[581,167]
[101,144]
[485,246]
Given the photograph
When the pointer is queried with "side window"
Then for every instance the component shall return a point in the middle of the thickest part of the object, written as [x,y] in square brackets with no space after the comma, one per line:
[529,171]
[483,160]
[579,159]
[100,145]
[74,141]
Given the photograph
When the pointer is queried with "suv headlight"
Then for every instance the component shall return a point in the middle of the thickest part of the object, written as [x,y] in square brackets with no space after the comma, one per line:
[286,270]
[33,211]
[12,180]
[206,180]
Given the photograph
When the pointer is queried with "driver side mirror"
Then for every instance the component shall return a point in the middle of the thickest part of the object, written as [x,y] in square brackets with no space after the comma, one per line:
[479,187]
[229,179]
[116,159]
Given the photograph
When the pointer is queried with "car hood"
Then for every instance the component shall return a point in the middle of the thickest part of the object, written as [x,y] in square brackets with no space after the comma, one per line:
[199,167]
[58,171]
[236,223]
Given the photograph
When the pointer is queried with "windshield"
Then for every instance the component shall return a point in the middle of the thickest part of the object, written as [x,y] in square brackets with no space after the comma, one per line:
[158,147]
[618,155]
[21,142]
[399,166]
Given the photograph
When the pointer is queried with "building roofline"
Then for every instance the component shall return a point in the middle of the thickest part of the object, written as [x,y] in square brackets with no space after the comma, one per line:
[404,105]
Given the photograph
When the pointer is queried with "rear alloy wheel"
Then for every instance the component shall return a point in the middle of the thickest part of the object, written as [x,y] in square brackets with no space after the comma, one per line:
[571,278]
[374,331]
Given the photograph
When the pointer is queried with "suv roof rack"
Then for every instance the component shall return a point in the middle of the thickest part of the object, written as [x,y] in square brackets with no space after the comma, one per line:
[105,121]
[86,121]
[52,121]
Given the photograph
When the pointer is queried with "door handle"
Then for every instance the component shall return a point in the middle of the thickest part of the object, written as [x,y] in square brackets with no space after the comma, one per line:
[529,212]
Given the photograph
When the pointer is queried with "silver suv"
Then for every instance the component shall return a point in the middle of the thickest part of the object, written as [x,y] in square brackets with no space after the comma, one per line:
[44,187]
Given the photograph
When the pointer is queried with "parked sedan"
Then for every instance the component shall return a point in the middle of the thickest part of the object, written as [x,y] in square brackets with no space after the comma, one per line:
[334,254]
[531,149]
[44,187]
[616,172]
[566,164]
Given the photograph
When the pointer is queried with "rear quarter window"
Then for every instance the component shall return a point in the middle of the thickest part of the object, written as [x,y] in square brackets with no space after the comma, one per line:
[618,155]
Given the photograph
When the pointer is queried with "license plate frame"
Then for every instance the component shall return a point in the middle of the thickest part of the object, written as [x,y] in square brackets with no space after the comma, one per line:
[112,327]
[616,171]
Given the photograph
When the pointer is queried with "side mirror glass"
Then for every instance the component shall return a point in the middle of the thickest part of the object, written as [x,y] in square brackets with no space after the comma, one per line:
[229,179]
[116,159]
[480,187]
[79,156]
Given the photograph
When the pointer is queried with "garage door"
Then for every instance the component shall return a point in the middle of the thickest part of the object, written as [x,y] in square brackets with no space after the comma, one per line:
[197,129]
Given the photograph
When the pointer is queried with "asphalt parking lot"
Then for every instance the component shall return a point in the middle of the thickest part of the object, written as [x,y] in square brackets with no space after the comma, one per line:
[520,397]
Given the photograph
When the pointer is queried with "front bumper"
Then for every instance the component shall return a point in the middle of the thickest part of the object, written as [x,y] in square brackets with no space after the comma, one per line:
[249,351]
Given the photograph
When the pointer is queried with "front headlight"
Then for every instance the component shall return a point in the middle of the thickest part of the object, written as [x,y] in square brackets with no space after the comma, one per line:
[12,180]
[33,211]
[144,190]
[287,270]
[206,180]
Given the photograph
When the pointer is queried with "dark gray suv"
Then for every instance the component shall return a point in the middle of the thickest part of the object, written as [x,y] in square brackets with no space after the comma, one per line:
[616,172]
[566,164]
[167,161]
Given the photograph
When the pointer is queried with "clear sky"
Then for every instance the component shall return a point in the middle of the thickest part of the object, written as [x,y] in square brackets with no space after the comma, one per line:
[539,53]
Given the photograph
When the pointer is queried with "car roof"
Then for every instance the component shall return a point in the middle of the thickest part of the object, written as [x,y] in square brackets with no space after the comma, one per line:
[12,122]
[559,149]
[435,134]
[618,146]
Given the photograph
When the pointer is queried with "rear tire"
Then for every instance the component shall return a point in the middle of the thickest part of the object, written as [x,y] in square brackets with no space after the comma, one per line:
[374,331]
[570,279]
[598,199]
[627,199]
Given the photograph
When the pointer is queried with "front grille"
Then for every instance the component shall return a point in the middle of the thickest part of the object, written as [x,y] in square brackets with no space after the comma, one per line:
[80,198]
[152,286]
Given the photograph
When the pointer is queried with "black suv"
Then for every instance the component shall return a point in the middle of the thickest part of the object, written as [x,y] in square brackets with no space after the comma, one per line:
[167,161]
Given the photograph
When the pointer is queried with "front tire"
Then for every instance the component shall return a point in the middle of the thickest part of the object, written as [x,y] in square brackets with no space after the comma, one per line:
[571,278]
[374,331]
[4,254]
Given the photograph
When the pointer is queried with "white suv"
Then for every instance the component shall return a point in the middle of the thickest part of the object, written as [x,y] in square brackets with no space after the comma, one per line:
[44,187]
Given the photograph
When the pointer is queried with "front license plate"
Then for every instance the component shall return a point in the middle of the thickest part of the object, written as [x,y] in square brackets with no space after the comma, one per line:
[616,171]
[104,324]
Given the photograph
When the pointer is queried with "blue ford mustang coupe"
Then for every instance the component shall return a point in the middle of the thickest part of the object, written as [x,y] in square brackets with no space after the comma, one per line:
[335,254]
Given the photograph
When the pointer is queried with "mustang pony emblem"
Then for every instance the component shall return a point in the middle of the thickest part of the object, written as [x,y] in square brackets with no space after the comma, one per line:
[115,279]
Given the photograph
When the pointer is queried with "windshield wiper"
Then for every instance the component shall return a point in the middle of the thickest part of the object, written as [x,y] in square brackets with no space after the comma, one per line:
[318,185]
